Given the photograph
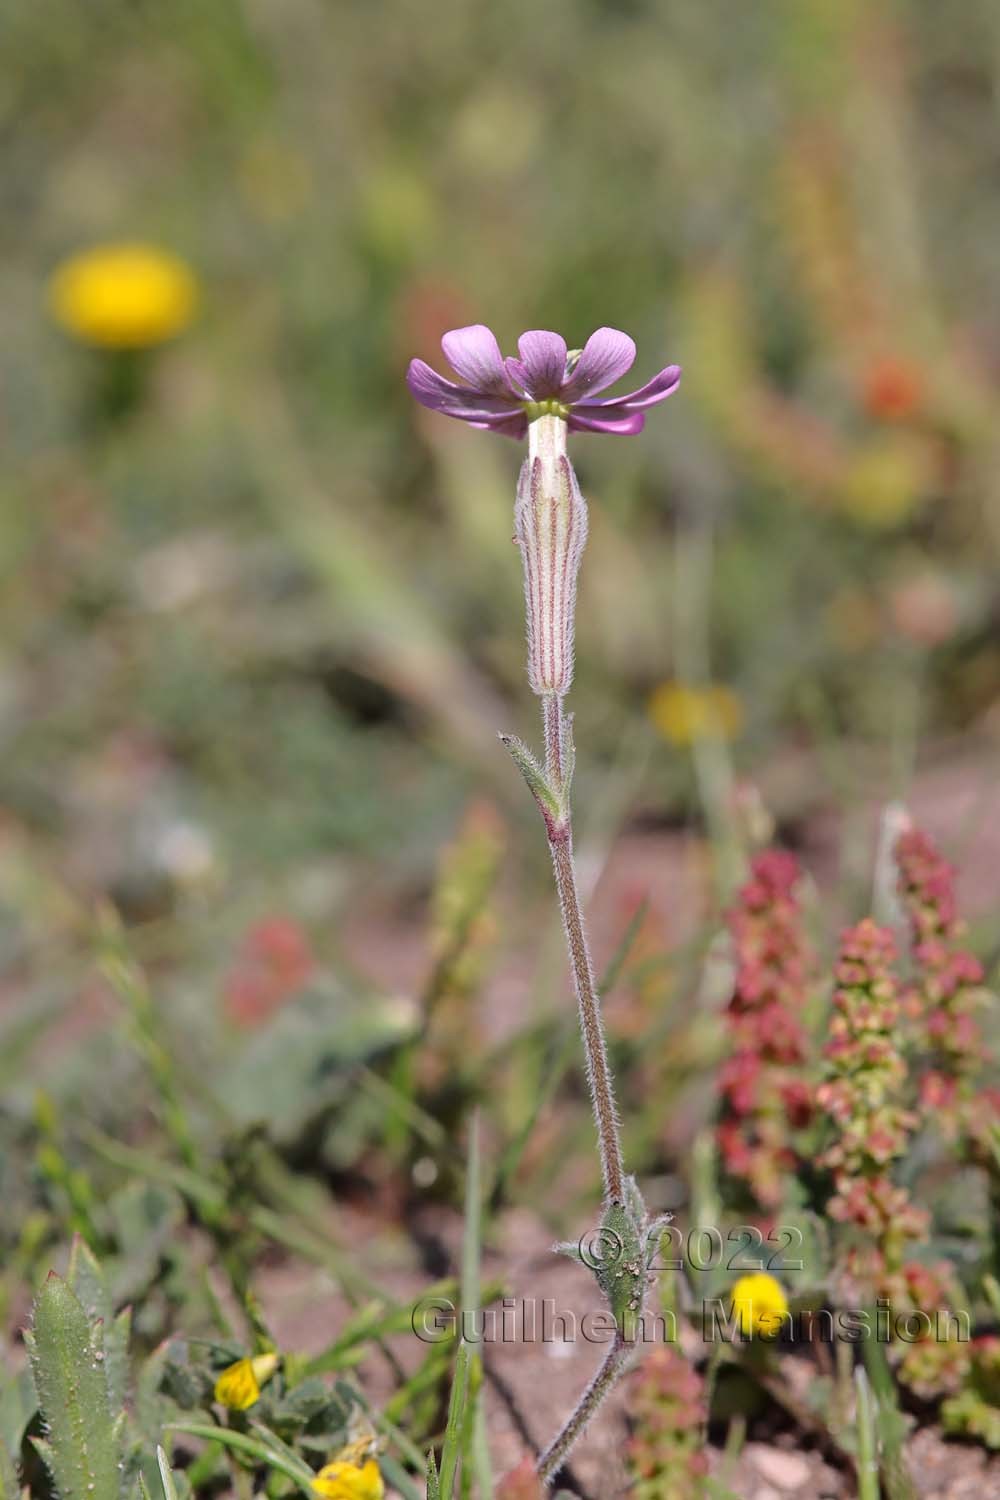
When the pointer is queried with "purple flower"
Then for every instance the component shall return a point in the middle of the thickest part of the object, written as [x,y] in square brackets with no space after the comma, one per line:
[504,395]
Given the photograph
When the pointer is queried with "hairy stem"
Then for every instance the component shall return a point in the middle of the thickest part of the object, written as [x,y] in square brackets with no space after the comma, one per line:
[551,526]
[553,725]
[598,1071]
[612,1366]
[602,1090]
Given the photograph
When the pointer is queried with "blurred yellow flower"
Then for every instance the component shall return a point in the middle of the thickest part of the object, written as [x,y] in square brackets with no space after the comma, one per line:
[123,296]
[683,713]
[238,1387]
[760,1305]
[353,1475]
[886,481]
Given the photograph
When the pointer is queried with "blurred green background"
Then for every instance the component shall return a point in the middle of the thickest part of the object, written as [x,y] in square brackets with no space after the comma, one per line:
[261,616]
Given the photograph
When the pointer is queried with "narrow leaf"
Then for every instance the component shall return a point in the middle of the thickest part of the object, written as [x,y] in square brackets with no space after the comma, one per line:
[452,1447]
[253,1448]
[166,1475]
[868,1486]
[538,783]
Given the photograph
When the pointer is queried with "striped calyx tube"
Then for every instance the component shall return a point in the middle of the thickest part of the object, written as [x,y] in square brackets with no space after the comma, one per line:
[550,525]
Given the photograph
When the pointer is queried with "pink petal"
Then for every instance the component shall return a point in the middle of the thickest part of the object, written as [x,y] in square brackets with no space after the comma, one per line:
[515,426]
[517,377]
[624,425]
[474,355]
[657,389]
[607,355]
[433,390]
[541,369]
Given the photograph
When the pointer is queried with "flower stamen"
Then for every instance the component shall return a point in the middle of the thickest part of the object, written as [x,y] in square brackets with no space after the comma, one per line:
[549,408]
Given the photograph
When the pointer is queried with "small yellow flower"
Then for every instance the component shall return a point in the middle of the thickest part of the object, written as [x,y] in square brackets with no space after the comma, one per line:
[760,1305]
[123,296]
[684,713]
[353,1475]
[238,1387]
[887,480]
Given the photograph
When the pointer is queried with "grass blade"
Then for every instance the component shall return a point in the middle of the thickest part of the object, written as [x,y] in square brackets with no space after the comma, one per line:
[868,1485]
[253,1447]
[451,1449]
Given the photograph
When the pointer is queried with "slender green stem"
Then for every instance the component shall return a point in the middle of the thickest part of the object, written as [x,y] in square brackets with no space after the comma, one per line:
[612,1367]
[553,724]
[602,1093]
[598,1069]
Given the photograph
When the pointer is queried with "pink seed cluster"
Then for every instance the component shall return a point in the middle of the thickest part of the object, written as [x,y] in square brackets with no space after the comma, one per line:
[863,1092]
[765,1098]
[667,1407]
[946,990]
[938,1364]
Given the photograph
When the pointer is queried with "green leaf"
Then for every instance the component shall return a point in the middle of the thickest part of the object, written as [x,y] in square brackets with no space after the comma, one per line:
[476,1463]
[145,1217]
[539,786]
[18,1404]
[116,1342]
[293,1067]
[399,1479]
[252,1447]
[452,1447]
[166,1475]
[572,1251]
[163,1483]
[277,1447]
[471,1229]
[868,1486]
[81,1450]
[475,1447]
[968,1414]
[88,1279]
[891,1426]
[9,1488]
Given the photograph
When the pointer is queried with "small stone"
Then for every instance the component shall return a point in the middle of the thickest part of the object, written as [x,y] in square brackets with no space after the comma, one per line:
[786,1471]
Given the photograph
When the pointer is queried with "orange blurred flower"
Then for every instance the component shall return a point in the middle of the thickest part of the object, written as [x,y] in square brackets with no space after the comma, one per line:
[276,960]
[893,389]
